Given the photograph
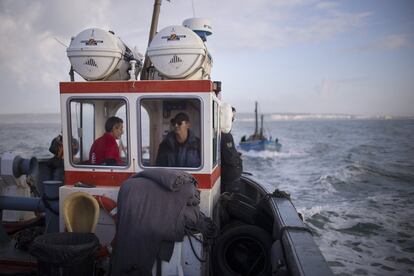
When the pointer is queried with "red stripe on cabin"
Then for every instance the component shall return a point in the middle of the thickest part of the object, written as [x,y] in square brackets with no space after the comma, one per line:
[205,181]
[167,86]
[96,178]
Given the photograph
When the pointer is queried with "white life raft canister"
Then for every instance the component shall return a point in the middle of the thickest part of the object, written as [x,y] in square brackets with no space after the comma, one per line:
[179,53]
[96,54]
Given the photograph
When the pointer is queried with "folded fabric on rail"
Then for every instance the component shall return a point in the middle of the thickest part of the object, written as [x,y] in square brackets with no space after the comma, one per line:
[154,208]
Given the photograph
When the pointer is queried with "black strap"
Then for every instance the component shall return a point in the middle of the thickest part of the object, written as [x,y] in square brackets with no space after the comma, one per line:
[46,199]
[189,235]
[50,198]
[159,267]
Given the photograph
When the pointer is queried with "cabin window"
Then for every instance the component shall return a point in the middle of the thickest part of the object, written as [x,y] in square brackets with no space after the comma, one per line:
[170,133]
[215,133]
[89,119]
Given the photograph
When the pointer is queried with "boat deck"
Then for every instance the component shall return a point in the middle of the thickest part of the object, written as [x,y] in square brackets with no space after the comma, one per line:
[14,260]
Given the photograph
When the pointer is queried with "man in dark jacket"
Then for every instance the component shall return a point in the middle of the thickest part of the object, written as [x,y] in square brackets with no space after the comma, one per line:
[180,148]
[231,162]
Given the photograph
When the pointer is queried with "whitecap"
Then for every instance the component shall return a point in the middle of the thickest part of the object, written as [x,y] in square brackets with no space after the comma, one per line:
[271,154]
[309,212]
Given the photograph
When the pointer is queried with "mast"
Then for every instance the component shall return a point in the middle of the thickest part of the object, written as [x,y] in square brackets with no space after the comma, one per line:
[261,126]
[256,120]
[153,31]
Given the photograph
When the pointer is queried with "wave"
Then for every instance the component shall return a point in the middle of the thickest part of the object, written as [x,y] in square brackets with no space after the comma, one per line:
[266,154]
[327,183]
[371,169]
[321,148]
[361,176]
[310,212]
[361,229]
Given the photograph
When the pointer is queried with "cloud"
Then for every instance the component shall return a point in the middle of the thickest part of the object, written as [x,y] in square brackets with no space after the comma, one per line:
[328,87]
[390,42]
[393,42]
[335,86]
[274,24]
[326,5]
[32,62]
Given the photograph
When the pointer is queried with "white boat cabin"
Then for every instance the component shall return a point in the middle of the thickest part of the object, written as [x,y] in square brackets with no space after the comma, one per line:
[146,108]
[179,82]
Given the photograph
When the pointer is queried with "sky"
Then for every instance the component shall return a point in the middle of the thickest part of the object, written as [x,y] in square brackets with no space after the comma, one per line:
[292,56]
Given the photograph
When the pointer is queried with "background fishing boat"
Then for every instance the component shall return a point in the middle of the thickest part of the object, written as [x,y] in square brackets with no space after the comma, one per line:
[258,141]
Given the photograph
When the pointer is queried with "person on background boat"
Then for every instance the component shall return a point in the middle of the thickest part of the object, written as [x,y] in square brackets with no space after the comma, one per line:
[105,150]
[231,162]
[180,148]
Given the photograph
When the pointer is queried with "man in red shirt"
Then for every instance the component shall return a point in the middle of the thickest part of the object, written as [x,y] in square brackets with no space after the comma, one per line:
[105,150]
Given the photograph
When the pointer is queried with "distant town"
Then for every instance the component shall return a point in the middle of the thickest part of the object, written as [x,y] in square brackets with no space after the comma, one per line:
[51,118]
[314,116]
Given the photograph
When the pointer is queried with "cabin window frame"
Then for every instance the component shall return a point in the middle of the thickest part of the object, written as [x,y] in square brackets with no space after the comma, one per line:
[127,129]
[139,128]
[215,127]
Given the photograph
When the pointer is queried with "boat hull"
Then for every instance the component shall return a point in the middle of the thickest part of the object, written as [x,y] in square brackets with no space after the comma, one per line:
[256,219]
[260,145]
[253,219]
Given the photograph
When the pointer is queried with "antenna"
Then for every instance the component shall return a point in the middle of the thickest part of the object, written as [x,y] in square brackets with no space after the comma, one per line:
[192,3]
[60,42]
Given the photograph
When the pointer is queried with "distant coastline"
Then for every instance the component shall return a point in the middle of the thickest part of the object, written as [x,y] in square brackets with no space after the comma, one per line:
[246,117]
[54,118]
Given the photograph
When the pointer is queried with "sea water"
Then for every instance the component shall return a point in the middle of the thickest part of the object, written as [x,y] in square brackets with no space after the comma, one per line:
[352,179]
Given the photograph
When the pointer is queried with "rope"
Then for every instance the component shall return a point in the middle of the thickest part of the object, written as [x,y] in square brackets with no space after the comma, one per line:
[31,183]
[282,194]
[25,237]
[278,194]
[189,235]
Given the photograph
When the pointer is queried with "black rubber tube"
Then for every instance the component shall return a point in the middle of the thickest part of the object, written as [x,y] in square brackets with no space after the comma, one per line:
[242,250]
